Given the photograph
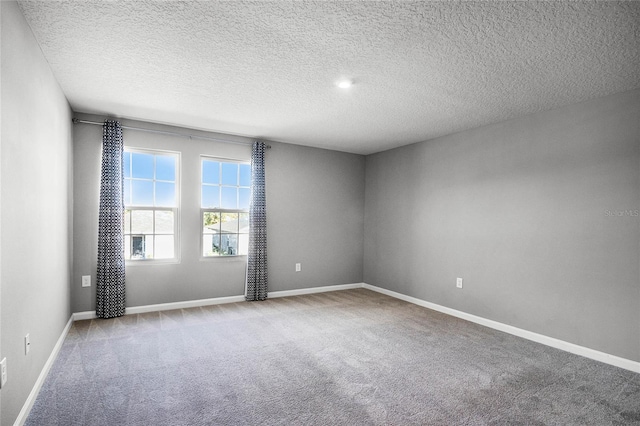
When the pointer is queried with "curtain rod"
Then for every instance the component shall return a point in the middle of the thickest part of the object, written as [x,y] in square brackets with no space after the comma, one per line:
[164,132]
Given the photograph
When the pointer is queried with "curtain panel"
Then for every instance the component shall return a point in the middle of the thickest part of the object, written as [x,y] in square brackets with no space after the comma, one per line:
[257,258]
[110,282]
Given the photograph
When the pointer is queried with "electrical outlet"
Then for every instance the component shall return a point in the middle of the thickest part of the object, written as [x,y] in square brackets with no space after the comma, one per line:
[3,372]
[86,281]
[27,344]
[459,282]
[298,267]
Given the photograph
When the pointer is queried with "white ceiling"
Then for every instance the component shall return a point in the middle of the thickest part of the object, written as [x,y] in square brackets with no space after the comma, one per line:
[268,69]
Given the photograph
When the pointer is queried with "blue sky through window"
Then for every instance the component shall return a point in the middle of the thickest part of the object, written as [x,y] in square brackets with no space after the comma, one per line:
[245,175]
[149,179]
[165,168]
[142,192]
[141,165]
[210,196]
[229,198]
[210,172]
[244,197]
[165,194]
[222,185]
[229,174]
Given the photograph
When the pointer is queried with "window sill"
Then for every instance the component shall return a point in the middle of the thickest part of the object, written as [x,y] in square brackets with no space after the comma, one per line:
[149,262]
[235,258]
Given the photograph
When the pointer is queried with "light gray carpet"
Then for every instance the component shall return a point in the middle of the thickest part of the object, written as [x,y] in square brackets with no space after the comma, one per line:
[350,357]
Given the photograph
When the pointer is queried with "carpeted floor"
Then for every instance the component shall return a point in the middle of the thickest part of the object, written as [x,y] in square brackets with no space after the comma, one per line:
[351,357]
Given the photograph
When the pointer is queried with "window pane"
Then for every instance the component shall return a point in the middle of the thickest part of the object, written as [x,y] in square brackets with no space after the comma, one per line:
[127,221]
[164,222]
[229,222]
[210,171]
[127,247]
[245,175]
[127,192]
[229,198]
[141,193]
[165,194]
[126,164]
[211,222]
[163,247]
[142,221]
[210,196]
[244,197]
[229,174]
[142,165]
[243,244]
[166,167]
[138,246]
[243,222]
[207,243]
[229,244]
[210,245]
[148,247]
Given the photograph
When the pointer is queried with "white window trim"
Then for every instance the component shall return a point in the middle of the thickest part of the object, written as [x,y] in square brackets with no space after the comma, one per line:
[228,257]
[176,210]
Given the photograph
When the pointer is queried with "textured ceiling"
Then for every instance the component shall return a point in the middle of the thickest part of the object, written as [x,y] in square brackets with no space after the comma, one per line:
[268,69]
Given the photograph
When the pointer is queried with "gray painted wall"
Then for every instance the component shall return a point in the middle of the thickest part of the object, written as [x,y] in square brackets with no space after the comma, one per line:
[315,204]
[35,212]
[539,215]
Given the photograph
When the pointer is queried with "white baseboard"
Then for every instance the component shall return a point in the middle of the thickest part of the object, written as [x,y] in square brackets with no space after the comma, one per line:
[31,399]
[78,316]
[286,293]
[217,301]
[165,306]
[183,305]
[617,361]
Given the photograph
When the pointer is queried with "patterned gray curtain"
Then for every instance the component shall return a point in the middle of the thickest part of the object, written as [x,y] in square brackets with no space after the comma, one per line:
[257,259]
[110,301]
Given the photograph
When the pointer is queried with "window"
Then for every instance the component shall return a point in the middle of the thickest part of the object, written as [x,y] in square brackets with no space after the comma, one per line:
[151,204]
[226,192]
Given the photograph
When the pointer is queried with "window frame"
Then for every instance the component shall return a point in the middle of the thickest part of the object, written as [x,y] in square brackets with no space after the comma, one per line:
[175,209]
[203,210]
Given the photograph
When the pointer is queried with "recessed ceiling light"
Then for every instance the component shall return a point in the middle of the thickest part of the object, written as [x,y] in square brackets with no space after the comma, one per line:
[345,84]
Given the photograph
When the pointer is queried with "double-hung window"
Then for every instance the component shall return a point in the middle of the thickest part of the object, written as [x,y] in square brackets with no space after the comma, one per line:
[224,213]
[151,204]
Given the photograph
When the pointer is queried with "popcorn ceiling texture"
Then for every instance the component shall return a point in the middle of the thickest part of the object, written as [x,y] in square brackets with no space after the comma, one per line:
[268,69]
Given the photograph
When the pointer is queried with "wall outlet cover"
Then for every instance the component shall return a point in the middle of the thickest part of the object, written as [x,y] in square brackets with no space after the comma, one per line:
[459,282]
